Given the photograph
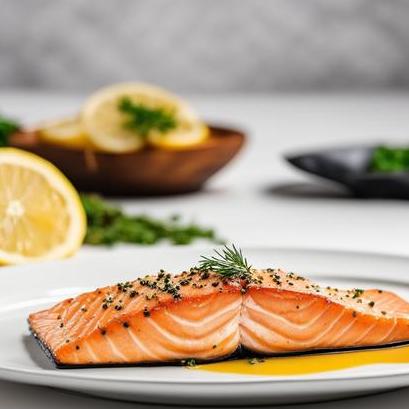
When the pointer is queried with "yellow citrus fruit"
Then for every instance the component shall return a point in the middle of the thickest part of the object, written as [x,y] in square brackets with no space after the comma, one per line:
[41,215]
[105,123]
[189,134]
[68,133]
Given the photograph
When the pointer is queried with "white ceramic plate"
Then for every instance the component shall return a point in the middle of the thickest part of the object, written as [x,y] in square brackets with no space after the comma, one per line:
[29,288]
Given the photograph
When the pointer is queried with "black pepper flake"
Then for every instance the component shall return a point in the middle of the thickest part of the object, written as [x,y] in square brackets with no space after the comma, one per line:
[118,307]
[354,314]
[184,282]
[146,312]
[371,303]
[204,275]
[61,325]
[133,294]
[215,284]
[77,347]
[383,312]
[126,325]
[83,309]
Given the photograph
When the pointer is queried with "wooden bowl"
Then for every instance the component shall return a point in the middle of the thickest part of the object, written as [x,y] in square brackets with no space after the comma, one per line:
[143,173]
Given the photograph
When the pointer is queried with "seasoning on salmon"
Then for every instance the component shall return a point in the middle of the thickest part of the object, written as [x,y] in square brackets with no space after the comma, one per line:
[152,319]
[205,314]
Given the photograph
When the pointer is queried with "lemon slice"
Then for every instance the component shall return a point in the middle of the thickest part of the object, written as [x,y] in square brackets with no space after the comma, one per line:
[68,133]
[189,134]
[41,216]
[105,123]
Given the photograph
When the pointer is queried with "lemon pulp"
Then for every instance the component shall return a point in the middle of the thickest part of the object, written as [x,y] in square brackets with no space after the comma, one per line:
[41,216]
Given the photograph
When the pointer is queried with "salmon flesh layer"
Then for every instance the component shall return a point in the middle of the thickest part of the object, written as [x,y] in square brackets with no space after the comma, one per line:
[200,315]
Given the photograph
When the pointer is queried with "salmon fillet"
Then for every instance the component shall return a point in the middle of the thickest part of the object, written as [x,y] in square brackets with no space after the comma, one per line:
[201,315]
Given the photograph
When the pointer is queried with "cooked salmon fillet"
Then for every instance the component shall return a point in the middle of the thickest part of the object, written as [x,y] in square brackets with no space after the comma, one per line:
[286,313]
[201,315]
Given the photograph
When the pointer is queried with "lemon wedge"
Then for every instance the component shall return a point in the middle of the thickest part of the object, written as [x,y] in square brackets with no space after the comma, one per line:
[68,133]
[106,124]
[41,216]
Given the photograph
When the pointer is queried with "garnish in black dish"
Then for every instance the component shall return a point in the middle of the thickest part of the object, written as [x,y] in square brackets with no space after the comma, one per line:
[388,159]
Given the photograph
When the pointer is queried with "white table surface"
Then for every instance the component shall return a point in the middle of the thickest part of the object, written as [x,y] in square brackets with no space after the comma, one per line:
[260,200]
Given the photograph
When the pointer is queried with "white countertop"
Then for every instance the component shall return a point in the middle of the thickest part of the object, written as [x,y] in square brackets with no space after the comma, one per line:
[259,199]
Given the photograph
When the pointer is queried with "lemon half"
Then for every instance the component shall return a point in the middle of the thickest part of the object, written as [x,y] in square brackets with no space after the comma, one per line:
[104,122]
[41,215]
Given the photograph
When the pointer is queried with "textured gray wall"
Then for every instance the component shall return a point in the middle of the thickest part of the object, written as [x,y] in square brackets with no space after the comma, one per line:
[205,46]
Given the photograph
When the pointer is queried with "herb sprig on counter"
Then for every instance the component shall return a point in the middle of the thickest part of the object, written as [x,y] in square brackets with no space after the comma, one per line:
[108,224]
[389,159]
[7,127]
[229,262]
[143,119]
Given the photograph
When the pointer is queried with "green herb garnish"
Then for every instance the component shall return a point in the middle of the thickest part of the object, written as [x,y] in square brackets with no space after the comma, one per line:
[229,262]
[142,119]
[189,362]
[357,293]
[7,127]
[108,224]
[254,361]
[387,159]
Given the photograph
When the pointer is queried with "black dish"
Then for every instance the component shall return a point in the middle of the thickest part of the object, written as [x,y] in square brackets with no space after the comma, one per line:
[349,166]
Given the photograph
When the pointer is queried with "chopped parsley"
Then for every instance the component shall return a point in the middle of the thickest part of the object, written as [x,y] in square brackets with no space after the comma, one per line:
[388,159]
[254,361]
[143,119]
[108,224]
[189,362]
[7,128]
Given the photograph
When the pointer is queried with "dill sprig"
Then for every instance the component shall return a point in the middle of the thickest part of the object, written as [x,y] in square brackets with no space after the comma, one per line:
[143,119]
[7,127]
[229,262]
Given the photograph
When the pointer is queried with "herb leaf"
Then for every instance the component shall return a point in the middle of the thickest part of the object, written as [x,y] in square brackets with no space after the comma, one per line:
[389,159]
[7,127]
[108,224]
[142,119]
[229,262]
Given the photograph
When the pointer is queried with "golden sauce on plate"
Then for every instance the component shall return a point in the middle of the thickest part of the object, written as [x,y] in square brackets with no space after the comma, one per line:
[310,364]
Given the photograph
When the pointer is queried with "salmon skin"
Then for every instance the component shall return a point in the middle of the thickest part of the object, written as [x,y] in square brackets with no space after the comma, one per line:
[202,316]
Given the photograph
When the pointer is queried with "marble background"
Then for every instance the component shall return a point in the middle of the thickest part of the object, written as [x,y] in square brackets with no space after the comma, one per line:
[205,46]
